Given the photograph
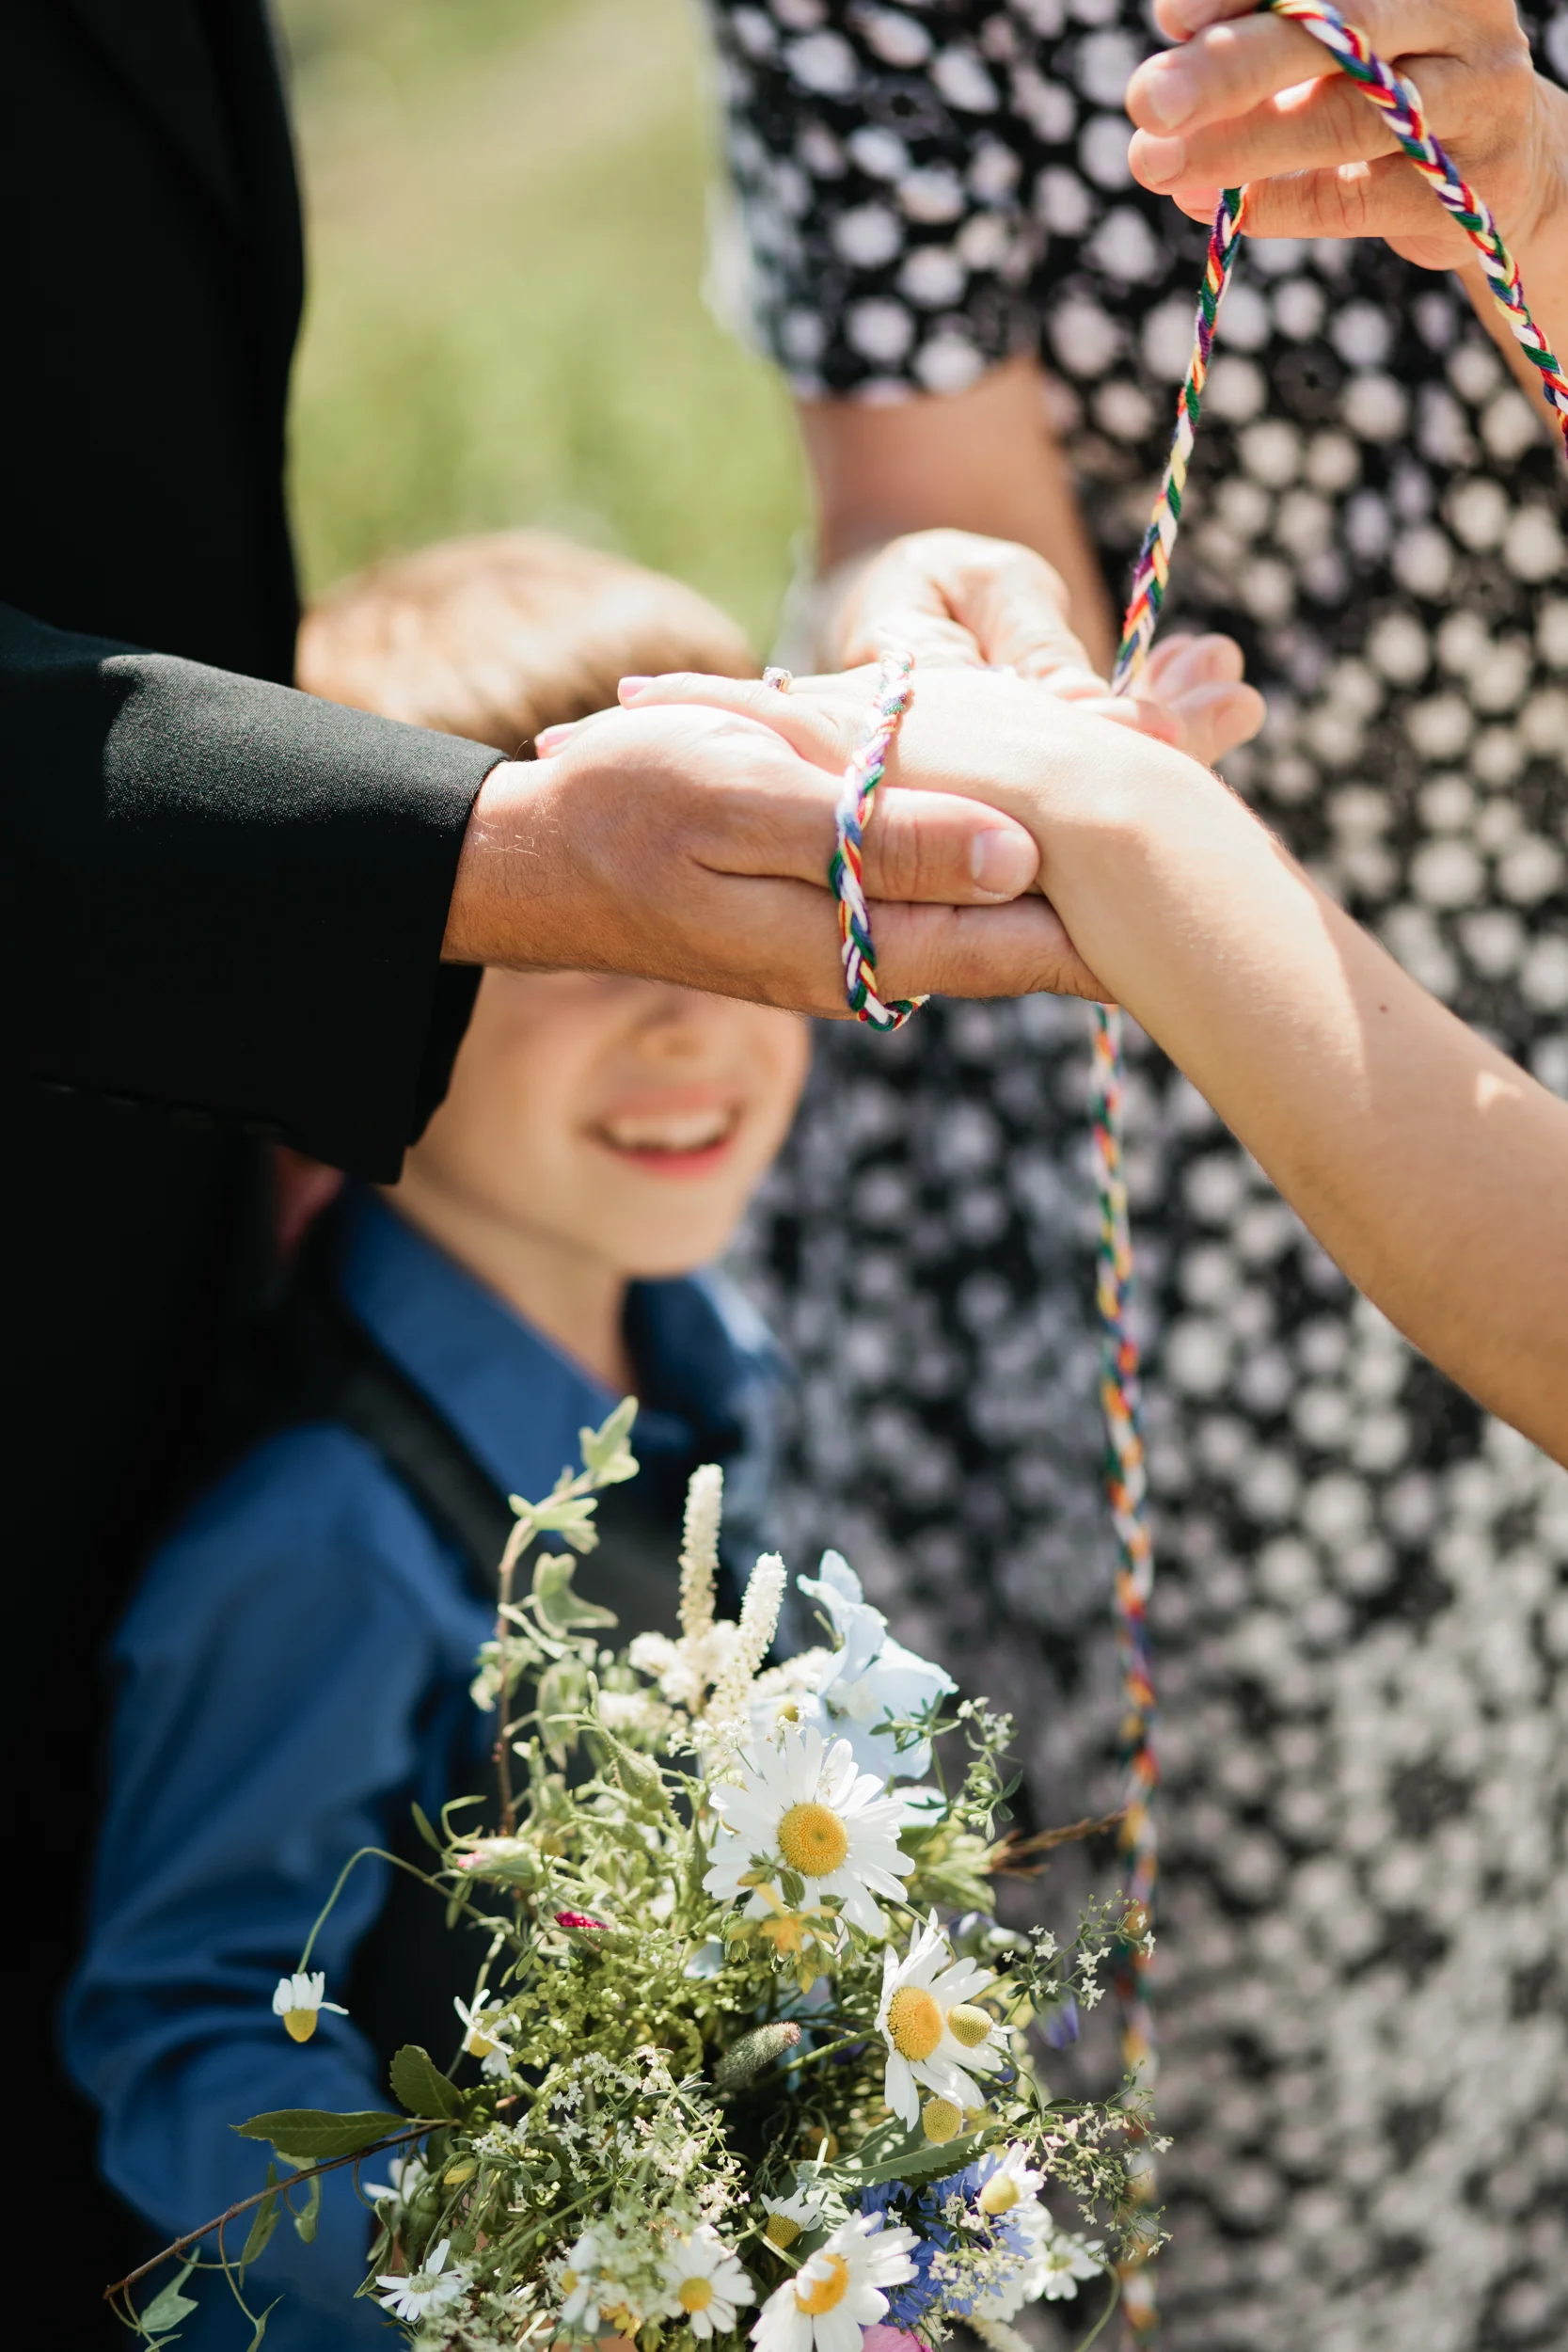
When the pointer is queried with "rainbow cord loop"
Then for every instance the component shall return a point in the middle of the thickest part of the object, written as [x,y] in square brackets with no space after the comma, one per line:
[1126,1479]
[856,800]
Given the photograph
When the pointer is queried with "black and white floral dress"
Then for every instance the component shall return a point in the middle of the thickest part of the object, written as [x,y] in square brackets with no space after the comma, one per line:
[1362,1613]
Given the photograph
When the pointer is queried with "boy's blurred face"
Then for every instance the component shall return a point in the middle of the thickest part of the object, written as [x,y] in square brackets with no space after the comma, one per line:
[620,1119]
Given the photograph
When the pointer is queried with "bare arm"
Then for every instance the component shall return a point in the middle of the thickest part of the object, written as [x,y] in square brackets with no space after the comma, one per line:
[1430,1167]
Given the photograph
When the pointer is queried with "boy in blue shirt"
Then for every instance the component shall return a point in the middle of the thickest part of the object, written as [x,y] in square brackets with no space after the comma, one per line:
[294,1670]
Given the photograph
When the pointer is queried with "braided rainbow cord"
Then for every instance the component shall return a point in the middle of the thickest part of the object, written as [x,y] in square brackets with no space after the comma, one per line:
[1151,572]
[1399,103]
[1126,1478]
[856,800]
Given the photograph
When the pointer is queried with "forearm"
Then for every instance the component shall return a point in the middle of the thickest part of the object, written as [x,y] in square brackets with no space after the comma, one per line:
[224,896]
[985,460]
[1432,1170]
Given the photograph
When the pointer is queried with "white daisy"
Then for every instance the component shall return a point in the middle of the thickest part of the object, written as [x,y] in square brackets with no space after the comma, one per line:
[579,2288]
[935,2035]
[1009,2197]
[428,2290]
[298,2002]
[802,1805]
[788,2215]
[484,2036]
[1061,2264]
[836,2294]
[705,2283]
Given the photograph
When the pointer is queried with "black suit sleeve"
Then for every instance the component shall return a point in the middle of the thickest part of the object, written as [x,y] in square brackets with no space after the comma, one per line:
[227,898]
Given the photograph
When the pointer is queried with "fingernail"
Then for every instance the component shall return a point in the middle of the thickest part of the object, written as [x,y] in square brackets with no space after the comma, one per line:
[1003,862]
[630,686]
[550,740]
[1155,161]
[1169,91]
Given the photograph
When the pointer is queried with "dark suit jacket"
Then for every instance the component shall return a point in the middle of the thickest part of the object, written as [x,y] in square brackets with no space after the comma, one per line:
[222,903]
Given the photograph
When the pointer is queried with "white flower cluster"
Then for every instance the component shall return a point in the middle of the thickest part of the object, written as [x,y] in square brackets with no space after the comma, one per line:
[632,2267]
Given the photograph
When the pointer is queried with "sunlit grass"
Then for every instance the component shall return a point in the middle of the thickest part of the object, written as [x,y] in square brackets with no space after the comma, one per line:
[506,324]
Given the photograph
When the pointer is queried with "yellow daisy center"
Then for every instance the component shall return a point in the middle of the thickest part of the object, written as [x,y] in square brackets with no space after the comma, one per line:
[781,2230]
[299,2024]
[817,2295]
[941,2121]
[1000,2194]
[812,1840]
[481,2045]
[971,2025]
[694,2295]
[914,2022]
[568,2282]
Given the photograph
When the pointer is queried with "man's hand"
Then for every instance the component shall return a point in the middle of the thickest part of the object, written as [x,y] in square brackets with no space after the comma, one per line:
[692,844]
[1056,766]
[1252,98]
[956,599]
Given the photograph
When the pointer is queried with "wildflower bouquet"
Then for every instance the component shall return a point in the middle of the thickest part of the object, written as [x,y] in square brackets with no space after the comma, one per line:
[745,2050]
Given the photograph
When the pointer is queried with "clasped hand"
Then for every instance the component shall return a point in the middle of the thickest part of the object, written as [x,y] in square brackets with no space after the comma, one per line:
[1250,98]
[687,835]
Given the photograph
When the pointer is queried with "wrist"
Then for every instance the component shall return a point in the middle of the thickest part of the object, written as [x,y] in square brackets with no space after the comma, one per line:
[501,893]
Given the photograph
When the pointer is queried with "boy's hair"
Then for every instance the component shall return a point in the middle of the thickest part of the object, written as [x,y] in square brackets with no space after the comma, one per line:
[502,634]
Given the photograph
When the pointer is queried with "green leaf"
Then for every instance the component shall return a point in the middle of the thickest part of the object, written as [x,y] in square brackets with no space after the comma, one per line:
[169,2308]
[420,2083]
[314,2135]
[559,1606]
[421,1823]
[919,2159]
[563,1689]
[255,2344]
[304,2223]
[262,2226]
[605,1455]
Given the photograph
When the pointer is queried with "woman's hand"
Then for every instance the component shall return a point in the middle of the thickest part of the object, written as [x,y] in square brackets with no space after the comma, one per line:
[692,844]
[1056,766]
[956,599]
[1250,97]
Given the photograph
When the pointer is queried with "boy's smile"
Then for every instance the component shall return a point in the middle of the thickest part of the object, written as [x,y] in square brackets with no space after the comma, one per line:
[600,1130]
[677,1135]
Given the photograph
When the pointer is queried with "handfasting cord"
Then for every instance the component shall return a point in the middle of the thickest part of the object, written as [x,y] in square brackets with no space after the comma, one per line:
[1126,1479]
[1400,101]
[860,779]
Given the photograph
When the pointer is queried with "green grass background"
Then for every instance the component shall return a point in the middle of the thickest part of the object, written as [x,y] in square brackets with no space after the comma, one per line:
[506,215]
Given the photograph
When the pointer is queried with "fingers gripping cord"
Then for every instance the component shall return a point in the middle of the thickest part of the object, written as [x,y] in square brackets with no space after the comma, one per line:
[1400,101]
[856,801]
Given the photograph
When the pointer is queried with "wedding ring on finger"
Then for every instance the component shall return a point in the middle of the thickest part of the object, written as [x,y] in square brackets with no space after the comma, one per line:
[780,679]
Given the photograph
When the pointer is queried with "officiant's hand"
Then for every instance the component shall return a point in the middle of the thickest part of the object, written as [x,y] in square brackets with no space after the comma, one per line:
[1250,97]
[954,598]
[692,844]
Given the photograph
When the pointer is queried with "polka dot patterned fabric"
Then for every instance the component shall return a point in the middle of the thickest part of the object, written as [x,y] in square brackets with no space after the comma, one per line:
[1362,1613]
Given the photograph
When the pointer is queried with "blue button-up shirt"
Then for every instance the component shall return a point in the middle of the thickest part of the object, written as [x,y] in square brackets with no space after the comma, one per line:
[292,1672]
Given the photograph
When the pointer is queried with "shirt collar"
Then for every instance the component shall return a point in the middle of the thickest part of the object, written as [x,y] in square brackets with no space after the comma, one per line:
[516,1397]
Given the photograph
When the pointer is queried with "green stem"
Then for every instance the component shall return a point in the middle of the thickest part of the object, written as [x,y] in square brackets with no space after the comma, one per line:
[1105,2316]
[279,2188]
[380,1854]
